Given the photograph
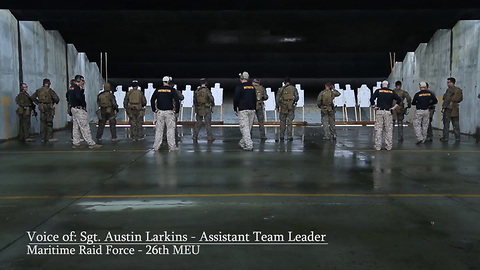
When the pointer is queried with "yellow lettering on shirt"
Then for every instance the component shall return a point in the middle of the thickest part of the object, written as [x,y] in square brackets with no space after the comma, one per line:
[385,91]
[164,90]
[248,87]
[424,95]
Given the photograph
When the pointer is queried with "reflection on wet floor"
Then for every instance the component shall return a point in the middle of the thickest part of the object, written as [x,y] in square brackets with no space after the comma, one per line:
[416,199]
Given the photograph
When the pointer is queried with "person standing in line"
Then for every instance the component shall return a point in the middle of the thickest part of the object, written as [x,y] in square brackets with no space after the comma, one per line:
[81,127]
[286,101]
[423,99]
[165,110]
[244,105]
[181,97]
[134,104]
[107,111]
[401,111]
[45,98]
[327,109]
[383,115]
[260,109]
[203,102]
[25,110]
[451,110]
[431,111]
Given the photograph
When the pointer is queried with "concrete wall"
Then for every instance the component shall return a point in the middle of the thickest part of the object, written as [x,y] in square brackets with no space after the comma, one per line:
[43,54]
[466,70]
[449,53]
[9,74]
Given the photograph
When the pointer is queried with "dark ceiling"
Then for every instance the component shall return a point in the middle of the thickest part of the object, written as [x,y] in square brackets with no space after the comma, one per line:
[303,39]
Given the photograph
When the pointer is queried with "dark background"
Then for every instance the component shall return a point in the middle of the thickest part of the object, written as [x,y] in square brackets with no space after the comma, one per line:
[311,41]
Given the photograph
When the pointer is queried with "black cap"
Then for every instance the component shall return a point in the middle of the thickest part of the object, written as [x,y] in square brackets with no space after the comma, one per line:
[287,79]
[79,78]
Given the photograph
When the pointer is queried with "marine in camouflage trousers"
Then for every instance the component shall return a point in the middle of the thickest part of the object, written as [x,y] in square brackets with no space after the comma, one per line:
[112,121]
[165,118]
[430,129]
[208,125]
[47,113]
[398,119]
[81,128]
[383,129]
[328,123]
[286,121]
[24,128]
[447,118]
[420,124]
[261,122]
[135,119]
[245,119]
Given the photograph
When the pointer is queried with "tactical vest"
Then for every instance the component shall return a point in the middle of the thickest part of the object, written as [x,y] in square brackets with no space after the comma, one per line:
[202,96]
[105,100]
[135,98]
[44,95]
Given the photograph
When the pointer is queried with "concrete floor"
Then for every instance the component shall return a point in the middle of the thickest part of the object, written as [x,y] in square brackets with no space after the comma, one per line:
[416,207]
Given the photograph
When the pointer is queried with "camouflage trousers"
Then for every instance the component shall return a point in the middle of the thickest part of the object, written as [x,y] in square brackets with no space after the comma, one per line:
[383,129]
[420,124]
[430,119]
[24,127]
[286,122]
[245,119]
[81,128]
[46,124]
[398,119]
[208,125]
[112,121]
[328,123]
[135,119]
[447,118]
[165,118]
[261,122]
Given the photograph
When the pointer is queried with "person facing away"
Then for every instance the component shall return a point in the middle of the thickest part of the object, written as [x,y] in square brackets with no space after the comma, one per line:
[244,105]
[422,100]
[203,103]
[384,97]
[260,109]
[134,104]
[286,100]
[165,110]
[325,103]
[107,111]
[45,98]
[400,112]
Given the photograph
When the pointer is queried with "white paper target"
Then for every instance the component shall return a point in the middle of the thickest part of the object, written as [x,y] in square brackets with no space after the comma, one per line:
[270,102]
[188,94]
[363,96]
[119,96]
[217,93]
[301,96]
[149,92]
[349,97]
